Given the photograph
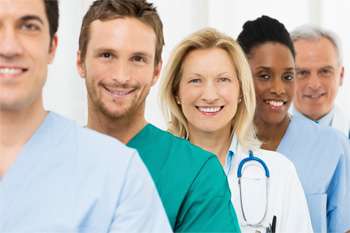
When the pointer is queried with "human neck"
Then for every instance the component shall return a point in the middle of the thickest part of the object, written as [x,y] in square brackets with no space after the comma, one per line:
[271,134]
[316,116]
[216,142]
[123,128]
[17,127]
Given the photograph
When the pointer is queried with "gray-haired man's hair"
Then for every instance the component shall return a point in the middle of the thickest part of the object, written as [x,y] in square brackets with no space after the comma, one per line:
[310,32]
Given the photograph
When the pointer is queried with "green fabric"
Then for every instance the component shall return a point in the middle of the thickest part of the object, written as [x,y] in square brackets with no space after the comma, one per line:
[190,181]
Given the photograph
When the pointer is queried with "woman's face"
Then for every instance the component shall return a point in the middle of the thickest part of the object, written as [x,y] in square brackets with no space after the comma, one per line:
[209,90]
[272,65]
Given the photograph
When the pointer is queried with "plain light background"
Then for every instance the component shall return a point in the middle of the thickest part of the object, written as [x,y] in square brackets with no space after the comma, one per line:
[65,91]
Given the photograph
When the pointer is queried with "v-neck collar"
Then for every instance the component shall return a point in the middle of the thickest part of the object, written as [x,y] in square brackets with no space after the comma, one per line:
[33,154]
[142,133]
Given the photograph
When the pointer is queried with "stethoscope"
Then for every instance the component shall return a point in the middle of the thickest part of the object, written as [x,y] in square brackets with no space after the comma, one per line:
[240,170]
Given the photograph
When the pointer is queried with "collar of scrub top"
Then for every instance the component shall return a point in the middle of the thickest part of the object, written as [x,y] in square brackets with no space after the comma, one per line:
[231,152]
[325,120]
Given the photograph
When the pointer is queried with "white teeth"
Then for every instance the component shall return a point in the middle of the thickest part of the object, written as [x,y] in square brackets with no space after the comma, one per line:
[120,93]
[315,96]
[209,109]
[10,71]
[275,103]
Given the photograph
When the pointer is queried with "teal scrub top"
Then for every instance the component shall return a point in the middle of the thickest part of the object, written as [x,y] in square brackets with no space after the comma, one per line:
[191,182]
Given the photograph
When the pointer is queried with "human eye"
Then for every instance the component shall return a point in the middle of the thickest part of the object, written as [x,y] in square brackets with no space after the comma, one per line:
[288,77]
[195,81]
[326,72]
[106,55]
[30,26]
[138,59]
[302,73]
[264,76]
[224,79]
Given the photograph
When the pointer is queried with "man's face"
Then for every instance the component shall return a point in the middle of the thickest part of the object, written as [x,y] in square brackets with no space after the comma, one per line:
[119,67]
[318,77]
[25,52]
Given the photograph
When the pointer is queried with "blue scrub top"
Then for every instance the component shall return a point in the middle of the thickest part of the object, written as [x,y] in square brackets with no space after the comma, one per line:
[71,179]
[321,157]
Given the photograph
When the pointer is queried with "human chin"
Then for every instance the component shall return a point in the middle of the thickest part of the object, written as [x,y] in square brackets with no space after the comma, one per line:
[273,117]
[206,126]
[114,110]
[22,97]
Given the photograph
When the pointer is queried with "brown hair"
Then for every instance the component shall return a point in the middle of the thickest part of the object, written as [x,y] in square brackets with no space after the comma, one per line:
[52,14]
[111,9]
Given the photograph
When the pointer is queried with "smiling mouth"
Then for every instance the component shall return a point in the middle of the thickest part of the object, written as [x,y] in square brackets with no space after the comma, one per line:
[11,72]
[210,110]
[275,103]
[118,92]
[315,96]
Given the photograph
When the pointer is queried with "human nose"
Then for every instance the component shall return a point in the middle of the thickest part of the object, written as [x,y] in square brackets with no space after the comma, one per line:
[314,82]
[121,73]
[277,87]
[10,44]
[209,93]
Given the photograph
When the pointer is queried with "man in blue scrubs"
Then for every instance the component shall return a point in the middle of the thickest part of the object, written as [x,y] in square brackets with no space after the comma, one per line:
[56,176]
[319,75]
[321,157]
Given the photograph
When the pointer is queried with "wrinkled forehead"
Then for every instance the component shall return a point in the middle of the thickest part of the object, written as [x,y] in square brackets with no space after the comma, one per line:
[318,50]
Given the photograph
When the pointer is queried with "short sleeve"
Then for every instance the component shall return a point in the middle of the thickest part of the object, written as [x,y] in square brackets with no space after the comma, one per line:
[338,195]
[139,208]
[208,207]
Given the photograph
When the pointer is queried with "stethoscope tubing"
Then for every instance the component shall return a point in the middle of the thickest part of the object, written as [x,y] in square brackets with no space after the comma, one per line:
[251,157]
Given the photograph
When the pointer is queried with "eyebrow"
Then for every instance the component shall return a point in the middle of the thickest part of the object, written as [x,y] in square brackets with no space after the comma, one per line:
[327,67]
[289,69]
[103,49]
[111,50]
[32,17]
[195,74]
[269,68]
[142,54]
[223,74]
[263,68]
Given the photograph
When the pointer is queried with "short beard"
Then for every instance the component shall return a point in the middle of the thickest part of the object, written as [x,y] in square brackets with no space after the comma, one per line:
[129,112]
[101,107]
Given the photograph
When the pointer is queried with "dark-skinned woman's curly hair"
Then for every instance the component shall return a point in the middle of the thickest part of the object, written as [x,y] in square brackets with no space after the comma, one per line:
[262,30]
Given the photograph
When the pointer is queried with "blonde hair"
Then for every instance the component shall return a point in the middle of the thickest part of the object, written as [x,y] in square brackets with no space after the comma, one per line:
[242,123]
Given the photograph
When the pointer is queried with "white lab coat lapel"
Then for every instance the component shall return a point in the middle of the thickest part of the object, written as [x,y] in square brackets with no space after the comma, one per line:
[239,153]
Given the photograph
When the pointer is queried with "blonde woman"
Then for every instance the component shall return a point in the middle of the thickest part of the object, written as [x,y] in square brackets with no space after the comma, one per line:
[208,97]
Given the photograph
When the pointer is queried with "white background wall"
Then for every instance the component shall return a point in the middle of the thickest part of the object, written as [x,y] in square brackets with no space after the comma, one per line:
[65,92]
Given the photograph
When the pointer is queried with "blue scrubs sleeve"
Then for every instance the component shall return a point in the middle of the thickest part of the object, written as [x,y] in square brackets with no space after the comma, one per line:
[338,197]
[139,208]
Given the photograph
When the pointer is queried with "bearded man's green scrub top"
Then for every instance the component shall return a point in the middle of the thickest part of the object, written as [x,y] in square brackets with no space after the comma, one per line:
[191,182]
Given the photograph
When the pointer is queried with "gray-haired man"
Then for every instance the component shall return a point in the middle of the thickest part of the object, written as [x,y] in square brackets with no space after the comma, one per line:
[319,74]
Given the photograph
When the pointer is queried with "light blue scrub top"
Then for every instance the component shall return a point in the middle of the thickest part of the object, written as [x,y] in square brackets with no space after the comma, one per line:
[68,179]
[326,120]
[321,157]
